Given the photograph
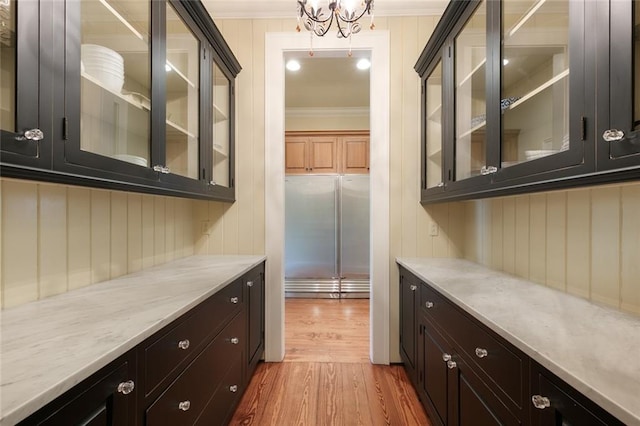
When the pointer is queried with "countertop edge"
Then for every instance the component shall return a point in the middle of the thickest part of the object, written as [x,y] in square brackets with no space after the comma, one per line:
[21,412]
[610,405]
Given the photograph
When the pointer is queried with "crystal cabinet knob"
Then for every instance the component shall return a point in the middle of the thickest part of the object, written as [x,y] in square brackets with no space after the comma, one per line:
[235,340]
[413,287]
[446,357]
[127,387]
[481,353]
[234,300]
[613,135]
[184,344]
[233,388]
[540,402]
[184,405]
[451,365]
[428,304]
[33,135]
[249,283]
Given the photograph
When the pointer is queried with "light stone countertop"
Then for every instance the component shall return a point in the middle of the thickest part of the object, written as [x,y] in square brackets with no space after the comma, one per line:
[593,348]
[50,345]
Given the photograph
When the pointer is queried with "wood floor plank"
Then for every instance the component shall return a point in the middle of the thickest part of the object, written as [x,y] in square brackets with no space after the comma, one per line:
[327,378]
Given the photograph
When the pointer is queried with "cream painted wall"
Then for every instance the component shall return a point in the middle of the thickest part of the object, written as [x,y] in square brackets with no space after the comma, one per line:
[239,228]
[56,238]
[585,242]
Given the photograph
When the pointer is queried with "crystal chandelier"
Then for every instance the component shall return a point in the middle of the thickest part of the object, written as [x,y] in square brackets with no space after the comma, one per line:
[319,19]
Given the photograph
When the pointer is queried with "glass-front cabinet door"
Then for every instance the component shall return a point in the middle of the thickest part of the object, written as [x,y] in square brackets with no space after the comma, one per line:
[618,137]
[432,156]
[470,63]
[108,96]
[182,97]
[221,127]
[541,58]
[24,137]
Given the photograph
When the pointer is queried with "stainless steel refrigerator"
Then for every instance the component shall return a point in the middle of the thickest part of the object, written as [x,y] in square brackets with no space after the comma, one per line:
[327,236]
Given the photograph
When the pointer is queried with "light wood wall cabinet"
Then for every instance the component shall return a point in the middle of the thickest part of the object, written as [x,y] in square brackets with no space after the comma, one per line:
[94,94]
[327,152]
[521,96]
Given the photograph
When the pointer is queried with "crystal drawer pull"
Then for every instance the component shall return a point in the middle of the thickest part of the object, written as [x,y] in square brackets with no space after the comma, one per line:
[234,300]
[451,365]
[127,387]
[32,135]
[413,287]
[184,344]
[481,353]
[446,357]
[233,388]
[540,402]
[235,340]
[613,135]
[184,405]
[428,304]
[249,283]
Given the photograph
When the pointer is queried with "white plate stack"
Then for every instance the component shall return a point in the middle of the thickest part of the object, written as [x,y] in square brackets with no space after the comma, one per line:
[104,64]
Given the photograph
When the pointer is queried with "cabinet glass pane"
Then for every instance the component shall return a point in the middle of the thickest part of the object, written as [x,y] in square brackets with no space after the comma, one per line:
[636,64]
[183,97]
[8,57]
[535,79]
[221,112]
[434,126]
[115,88]
[470,60]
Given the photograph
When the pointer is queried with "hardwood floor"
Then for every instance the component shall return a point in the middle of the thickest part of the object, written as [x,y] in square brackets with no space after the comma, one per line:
[326,377]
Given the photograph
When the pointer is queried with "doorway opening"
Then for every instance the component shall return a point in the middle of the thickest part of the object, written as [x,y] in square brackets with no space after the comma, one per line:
[327,176]
[277,46]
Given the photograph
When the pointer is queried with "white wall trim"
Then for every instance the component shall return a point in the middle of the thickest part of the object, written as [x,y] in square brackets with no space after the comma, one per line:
[327,112]
[276,46]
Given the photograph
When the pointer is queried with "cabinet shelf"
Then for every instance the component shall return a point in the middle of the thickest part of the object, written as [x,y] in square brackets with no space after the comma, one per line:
[538,89]
[433,115]
[220,151]
[175,132]
[130,98]
[523,20]
[473,71]
[218,115]
[473,129]
[180,74]
[102,10]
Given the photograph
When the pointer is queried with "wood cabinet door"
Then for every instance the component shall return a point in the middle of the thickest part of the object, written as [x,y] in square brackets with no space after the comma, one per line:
[323,154]
[355,154]
[408,335]
[296,155]
[433,373]
[254,285]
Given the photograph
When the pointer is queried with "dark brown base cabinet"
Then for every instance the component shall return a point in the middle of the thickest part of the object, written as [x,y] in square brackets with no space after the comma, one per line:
[466,374]
[192,372]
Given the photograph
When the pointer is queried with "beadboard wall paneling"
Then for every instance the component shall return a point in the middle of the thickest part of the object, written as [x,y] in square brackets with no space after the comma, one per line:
[57,238]
[584,241]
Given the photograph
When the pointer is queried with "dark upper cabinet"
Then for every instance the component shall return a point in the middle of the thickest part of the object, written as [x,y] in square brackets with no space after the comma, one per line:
[21,138]
[527,96]
[140,95]
[618,130]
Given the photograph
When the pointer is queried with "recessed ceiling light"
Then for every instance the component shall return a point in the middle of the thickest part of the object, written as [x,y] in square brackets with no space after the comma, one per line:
[364,64]
[505,61]
[293,65]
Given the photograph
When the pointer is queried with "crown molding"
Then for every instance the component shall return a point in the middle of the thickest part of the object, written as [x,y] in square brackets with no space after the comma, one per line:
[327,112]
[251,9]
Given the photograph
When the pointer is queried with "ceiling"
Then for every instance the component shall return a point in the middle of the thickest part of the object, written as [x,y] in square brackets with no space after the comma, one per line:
[327,83]
[287,8]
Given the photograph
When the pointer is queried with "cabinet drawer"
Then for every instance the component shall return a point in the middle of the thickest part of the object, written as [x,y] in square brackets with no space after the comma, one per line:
[185,399]
[441,311]
[224,401]
[504,367]
[163,356]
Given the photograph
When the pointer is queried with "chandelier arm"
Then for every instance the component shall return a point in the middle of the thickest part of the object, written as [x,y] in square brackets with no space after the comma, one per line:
[304,9]
[351,21]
